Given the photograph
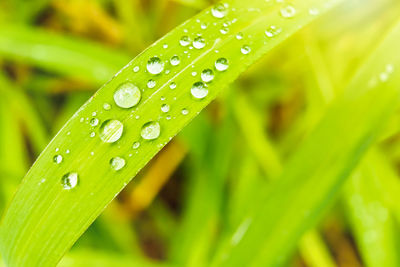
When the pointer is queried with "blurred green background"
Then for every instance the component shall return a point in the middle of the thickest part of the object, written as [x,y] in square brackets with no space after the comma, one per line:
[54,54]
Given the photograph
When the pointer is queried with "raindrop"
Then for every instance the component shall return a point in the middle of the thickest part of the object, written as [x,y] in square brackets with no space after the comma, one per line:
[272,31]
[106,106]
[199,90]
[57,159]
[288,11]
[185,111]
[313,11]
[150,130]
[165,46]
[111,131]
[172,85]
[136,145]
[219,11]
[207,75]
[164,108]
[224,30]
[185,40]
[239,36]
[175,60]
[92,134]
[94,122]
[199,42]
[136,69]
[155,65]
[127,95]
[245,49]
[69,180]
[221,64]
[117,163]
[203,26]
[151,83]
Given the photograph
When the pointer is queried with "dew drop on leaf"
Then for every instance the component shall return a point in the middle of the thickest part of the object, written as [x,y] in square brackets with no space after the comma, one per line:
[219,11]
[172,85]
[136,69]
[221,64]
[175,60]
[127,95]
[150,130]
[207,75]
[136,145]
[239,36]
[164,108]
[155,65]
[70,180]
[110,131]
[288,11]
[94,122]
[106,106]
[199,42]
[245,49]
[185,111]
[151,83]
[185,40]
[57,159]
[272,31]
[199,90]
[117,163]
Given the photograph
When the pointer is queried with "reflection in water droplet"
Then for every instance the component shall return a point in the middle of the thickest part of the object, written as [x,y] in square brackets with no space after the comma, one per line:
[185,40]
[69,180]
[175,60]
[245,49]
[57,159]
[221,64]
[199,90]
[155,65]
[219,11]
[127,95]
[110,131]
[150,130]
[207,75]
[117,163]
[199,42]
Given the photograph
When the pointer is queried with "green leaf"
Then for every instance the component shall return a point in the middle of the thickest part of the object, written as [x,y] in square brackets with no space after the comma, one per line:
[45,218]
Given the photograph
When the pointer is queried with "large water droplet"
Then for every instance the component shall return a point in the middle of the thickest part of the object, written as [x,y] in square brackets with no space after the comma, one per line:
[70,180]
[175,60]
[245,49]
[127,95]
[199,42]
[207,75]
[155,65]
[57,159]
[150,130]
[199,90]
[117,163]
[185,40]
[219,11]
[288,11]
[111,130]
[221,64]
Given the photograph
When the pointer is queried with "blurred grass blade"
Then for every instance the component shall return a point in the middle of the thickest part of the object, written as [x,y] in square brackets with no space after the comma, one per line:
[72,180]
[317,170]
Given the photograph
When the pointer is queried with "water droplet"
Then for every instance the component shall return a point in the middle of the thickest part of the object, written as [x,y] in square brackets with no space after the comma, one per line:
[313,11]
[199,90]
[221,64]
[94,122]
[194,73]
[57,159]
[106,106]
[203,26]
[185,111]
[239,36]
[219,11]
[272,31]
[172,85]
[165,108]
[175,60]
[136,145]
[136,69]
[92,134]
[69,180]
[127,95]
[168,117]
[165,46]
[150,130]
[117,163]
[207,75]
[185,40]
[224,30]
[111,131]
[151,83]
[288,11]
[199,42]
[155,65]
[245,49]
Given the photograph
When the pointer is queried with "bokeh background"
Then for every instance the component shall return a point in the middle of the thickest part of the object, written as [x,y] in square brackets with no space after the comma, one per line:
[54,54]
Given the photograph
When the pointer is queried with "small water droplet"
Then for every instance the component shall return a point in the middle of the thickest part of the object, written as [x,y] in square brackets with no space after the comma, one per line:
[117,163]
[151,83]
[57,159]
[69,180]
[313,11]
[272,31]
[172,85]
[136,69]
[92,134]
[288,11]
[199,42]
[203,26]
[199,90]
[219,11]
[94,122]
[111,130]
[106,106]
[185,111]
[185,40]
[194,73]
[155,65]
[224,30]
[239,36]
[207,75]
[150,130]
[168,117]
[164,108]
[136,145]
[165,46]
[245,49]
[127,95]
[175,60]
[221,64]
